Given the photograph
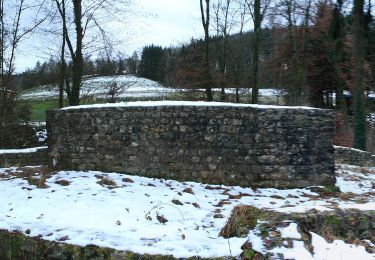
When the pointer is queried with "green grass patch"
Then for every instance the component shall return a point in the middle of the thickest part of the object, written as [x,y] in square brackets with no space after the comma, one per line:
[38,109]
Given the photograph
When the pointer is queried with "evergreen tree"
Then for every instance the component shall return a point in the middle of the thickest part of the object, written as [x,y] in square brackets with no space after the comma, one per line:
[151,63]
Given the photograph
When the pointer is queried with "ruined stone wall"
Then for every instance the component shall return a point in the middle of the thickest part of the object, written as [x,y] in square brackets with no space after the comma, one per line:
[346,155]
[233,145]
[24,157]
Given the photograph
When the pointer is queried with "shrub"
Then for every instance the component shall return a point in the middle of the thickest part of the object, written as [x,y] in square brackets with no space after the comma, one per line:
[15,132]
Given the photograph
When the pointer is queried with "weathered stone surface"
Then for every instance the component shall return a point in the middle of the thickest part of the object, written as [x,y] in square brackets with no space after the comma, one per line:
[233,145]
[350,225]
[14,245]
[346,155]
[40,157]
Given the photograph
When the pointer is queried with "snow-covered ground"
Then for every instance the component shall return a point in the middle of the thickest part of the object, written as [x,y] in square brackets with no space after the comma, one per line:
[294,248]
[127,86]
[157,216]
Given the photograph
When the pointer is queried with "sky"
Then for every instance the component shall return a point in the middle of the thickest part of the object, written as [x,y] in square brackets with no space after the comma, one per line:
[171,21]
[159,22]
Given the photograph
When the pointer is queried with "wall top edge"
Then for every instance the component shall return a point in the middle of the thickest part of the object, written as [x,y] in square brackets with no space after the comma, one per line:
[140,104]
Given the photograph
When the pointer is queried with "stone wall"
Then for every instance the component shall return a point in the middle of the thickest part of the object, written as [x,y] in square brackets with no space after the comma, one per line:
[209,143]
[346,155]
[24,157]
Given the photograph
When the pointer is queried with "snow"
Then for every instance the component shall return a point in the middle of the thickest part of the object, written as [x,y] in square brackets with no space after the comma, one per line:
[256,240]
[338,249]
[124,215]
[353,179]
[41,135]
[182,103]
[349,148]
[76,210]
[298,251]
[295,248]
[371,117]
[129,86]
[37,124]
[363,206]
[290,231]
[26,150]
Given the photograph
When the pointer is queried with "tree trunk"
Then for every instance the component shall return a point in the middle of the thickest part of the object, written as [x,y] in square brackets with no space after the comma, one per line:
[63,66]
[336,36]
[206,23]
[359,56]
[78,57]
[304,91]
[2,62]
[257,24]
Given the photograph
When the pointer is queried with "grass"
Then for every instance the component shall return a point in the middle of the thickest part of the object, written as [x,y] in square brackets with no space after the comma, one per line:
[38,109]
[242,219]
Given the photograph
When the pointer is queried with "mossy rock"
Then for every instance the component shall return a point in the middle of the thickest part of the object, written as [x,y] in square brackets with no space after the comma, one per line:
[17,246]
[351,225]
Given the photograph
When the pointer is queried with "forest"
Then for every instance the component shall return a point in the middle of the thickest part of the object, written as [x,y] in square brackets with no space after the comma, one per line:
[309,55]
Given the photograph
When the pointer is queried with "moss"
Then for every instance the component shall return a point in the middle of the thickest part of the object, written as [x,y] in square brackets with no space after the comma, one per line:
[326,191]
[263,231]
[250,254]
[16,246]
[331,189]
[333,220]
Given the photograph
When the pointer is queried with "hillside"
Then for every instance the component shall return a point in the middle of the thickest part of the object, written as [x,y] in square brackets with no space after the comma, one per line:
[126,85]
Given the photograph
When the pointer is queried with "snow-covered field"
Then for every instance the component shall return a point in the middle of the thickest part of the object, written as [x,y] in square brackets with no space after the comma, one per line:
[127,86]
[157,216]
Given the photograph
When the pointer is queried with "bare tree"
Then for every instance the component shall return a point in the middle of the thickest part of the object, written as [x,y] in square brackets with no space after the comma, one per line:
[88,18]
[75,53]
[205,17]
[336,37]
[258,9]
[63,77]
[296,16]
[238,52]
[224,15]
[13,30]
[115,89]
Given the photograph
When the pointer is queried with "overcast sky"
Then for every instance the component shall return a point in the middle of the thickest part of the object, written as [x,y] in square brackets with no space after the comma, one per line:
[159,22]
[175,21]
